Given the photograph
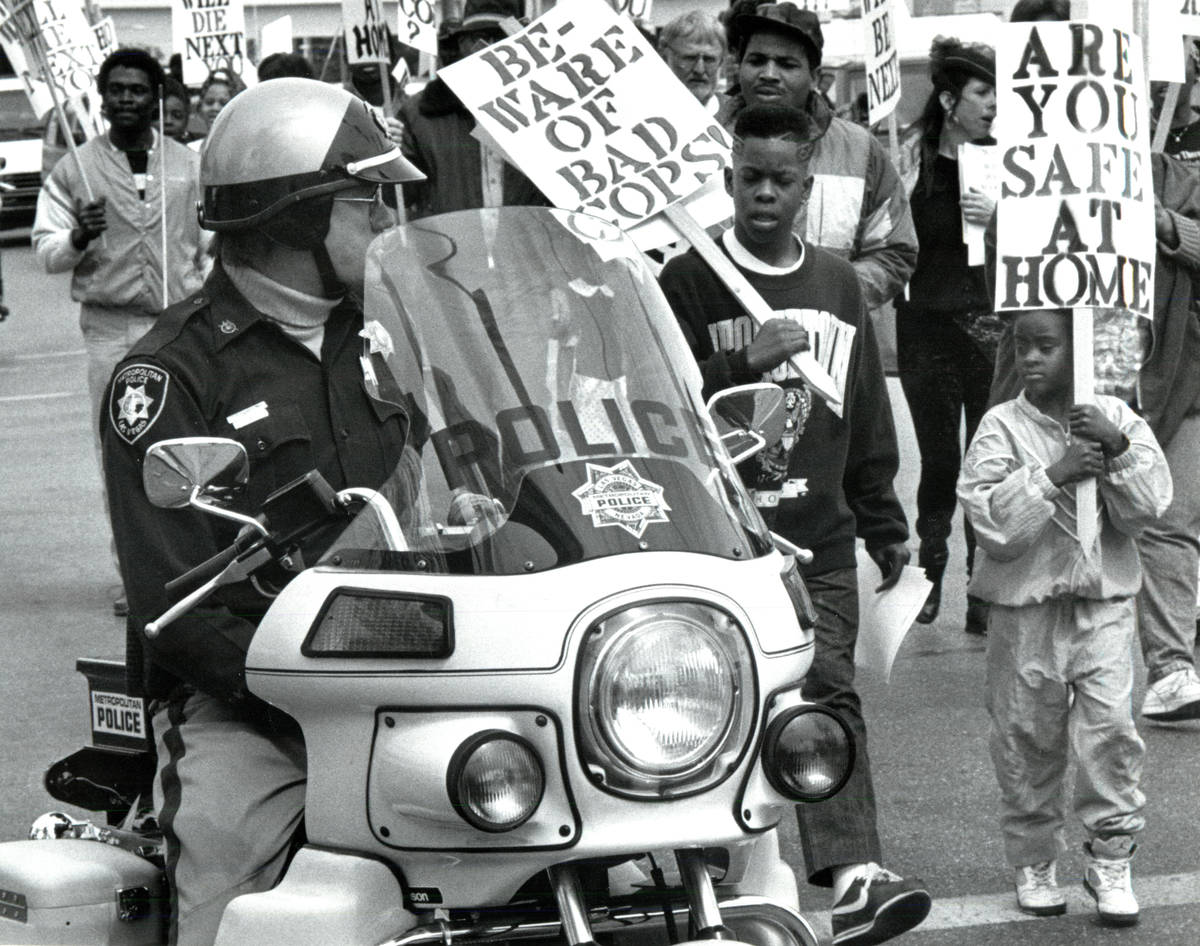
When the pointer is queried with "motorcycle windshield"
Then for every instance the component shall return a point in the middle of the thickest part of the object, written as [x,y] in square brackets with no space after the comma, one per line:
[555,408]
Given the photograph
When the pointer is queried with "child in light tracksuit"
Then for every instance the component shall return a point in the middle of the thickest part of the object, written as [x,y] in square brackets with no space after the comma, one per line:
[1061,626]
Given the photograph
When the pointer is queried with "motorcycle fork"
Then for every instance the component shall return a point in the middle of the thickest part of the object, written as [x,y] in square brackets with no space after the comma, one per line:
[697,885]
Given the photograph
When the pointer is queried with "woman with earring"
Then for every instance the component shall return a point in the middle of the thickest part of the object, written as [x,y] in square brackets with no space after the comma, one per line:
[946,330]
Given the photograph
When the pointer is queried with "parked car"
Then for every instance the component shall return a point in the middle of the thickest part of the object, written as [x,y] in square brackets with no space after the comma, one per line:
[20,155]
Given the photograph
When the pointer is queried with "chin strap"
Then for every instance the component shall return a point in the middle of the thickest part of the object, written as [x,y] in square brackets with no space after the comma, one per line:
[333,286]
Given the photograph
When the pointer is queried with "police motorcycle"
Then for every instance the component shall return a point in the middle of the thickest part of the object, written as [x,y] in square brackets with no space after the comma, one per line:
[548,674]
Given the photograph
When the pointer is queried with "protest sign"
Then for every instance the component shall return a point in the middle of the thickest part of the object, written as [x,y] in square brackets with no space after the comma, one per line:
[1170,22]
[882,58]
[634,9]
[276,37]
[105,31]
[208,35]
[1075,223]
[978,170]
[418,25]
[366,31]
[55,52]
[566,101]
[566,98]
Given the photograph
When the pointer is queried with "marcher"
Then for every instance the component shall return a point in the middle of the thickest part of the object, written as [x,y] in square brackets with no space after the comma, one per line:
[1034,11]
[111,237]
[946,330]
[282,65]
[693,46]
[1061,622]
[275,327]
[177,107]
[858,208]
[831,479]
[1151,368]
[461,173]
[216,92]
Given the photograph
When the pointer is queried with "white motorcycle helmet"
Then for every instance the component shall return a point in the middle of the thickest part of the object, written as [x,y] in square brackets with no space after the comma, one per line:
[278,153]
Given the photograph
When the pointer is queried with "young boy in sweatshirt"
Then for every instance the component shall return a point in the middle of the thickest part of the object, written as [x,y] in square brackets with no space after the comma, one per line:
[1061,625]
[829,480]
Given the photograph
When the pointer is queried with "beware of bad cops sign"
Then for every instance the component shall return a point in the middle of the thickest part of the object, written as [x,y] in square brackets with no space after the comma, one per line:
[1075,225]
[582,104]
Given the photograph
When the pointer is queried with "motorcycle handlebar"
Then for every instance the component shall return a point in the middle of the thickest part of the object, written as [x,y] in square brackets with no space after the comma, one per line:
[192,579]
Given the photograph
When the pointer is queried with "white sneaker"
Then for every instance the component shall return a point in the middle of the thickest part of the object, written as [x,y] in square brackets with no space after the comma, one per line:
[1111,886]
[1176,696]
[1038,892]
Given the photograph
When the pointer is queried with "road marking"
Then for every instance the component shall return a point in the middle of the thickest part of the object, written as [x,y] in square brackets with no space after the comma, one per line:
[42,397]
[994,909]
[38,355]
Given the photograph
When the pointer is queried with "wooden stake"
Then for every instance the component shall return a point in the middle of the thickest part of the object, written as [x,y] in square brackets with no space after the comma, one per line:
[804,363]
[1165,114]
[1084,334]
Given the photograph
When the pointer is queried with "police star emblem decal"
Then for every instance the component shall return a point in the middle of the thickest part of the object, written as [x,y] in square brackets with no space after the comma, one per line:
[135,404]
[619,496]
[136,400]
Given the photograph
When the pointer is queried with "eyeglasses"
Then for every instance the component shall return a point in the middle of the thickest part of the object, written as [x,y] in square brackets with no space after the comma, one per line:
[691,59]
[382,195]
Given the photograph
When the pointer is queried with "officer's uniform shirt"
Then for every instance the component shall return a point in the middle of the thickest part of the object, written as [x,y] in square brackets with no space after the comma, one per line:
[216,366]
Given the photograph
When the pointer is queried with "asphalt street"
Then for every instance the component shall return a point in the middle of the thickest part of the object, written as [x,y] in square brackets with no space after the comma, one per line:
[928,726]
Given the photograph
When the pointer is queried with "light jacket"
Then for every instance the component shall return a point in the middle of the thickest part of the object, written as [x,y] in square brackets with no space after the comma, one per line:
[1028,548]
[122,268]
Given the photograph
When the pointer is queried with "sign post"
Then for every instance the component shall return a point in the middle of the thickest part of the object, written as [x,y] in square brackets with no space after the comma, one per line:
[1075,225]
[565,100]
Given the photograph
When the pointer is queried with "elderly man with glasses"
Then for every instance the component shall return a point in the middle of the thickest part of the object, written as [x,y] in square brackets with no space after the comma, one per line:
[693,45]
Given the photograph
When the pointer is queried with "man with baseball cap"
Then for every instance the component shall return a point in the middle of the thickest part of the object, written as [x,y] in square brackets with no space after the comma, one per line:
[857,209]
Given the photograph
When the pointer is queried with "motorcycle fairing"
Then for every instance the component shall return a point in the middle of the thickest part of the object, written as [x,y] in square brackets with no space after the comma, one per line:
[549,382]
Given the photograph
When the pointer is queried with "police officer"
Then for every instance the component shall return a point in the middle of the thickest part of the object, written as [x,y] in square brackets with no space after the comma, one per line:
[294,174]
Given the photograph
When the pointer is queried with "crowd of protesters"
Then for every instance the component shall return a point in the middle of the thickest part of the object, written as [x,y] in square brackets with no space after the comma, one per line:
[823,221]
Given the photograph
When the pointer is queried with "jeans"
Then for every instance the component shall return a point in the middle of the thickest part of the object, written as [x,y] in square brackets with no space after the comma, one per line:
[841,830]
[1170,551]
[1036,656]
[230,798]
[944,374]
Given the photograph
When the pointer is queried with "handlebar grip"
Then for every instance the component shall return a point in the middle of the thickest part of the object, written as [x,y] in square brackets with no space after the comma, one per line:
[190,580]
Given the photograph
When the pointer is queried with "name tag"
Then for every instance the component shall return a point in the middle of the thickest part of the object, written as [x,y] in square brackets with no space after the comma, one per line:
[247,416]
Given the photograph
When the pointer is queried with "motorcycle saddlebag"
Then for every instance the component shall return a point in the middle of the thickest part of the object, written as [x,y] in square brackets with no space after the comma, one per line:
[79,893]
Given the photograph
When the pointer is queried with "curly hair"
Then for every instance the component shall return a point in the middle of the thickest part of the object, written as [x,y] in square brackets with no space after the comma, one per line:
[951,65]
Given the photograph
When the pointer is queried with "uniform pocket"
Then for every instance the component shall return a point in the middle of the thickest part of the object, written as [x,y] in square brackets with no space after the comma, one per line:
[279,446]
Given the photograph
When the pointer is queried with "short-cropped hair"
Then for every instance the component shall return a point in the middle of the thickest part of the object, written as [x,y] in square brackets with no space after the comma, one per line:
[774,121]
[131,58]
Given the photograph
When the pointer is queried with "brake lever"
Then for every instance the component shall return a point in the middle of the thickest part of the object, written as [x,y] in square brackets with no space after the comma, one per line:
[239,569]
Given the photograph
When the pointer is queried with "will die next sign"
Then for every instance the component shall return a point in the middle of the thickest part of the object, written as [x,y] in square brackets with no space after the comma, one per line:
[1075,224]
[581,103]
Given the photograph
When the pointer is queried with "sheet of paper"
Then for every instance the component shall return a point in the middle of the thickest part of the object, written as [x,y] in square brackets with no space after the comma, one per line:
[884,619]
[978,169]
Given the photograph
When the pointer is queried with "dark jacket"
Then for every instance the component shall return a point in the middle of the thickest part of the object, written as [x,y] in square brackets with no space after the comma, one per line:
[205,361]
[848,462]
[437,139]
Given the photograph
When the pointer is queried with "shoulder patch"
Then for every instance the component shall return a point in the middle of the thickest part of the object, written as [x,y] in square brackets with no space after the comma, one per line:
[137,397]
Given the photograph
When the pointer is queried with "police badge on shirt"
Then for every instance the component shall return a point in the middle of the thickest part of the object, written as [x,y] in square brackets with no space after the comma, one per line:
[136,401]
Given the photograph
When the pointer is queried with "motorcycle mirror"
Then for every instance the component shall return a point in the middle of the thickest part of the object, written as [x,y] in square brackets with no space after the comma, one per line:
[175,471]
[749,418]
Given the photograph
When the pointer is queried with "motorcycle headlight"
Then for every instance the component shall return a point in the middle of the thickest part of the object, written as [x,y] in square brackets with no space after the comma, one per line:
[808,753]
[665,698]
[495,780]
